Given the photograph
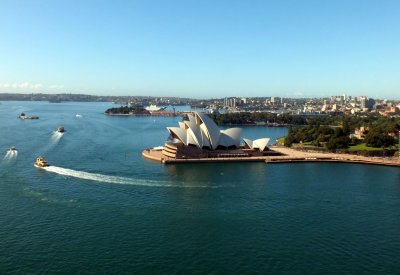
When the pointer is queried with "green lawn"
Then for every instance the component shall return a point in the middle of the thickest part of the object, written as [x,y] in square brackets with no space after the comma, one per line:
[363,146]
[281,140]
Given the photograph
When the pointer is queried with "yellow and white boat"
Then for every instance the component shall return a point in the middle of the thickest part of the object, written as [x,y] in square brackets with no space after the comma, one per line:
[40,163]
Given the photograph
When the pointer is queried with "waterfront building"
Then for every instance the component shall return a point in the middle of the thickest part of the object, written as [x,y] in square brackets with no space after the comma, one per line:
[201,131]
[198,137]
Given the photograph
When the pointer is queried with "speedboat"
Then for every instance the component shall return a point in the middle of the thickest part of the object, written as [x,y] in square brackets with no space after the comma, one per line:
[61,129]
[12,150]
[40,163]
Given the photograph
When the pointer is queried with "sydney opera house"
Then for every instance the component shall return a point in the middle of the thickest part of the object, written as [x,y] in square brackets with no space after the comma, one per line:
[198,137]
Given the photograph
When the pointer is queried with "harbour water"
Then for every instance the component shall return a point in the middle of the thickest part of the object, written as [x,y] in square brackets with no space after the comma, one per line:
[102,208]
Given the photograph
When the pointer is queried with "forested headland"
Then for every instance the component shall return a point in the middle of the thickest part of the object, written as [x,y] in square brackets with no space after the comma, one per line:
[369,133]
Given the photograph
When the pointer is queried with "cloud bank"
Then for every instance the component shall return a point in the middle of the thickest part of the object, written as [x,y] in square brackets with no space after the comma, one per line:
[27,86]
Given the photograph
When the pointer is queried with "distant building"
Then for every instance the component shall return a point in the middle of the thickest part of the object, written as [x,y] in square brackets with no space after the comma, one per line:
[230,102]
[360,133]
[363,102]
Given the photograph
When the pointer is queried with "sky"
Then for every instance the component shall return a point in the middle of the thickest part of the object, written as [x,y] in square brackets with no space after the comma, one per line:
[200,48]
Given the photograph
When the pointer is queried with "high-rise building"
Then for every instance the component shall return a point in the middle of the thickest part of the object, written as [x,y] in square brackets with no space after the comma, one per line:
[363,102]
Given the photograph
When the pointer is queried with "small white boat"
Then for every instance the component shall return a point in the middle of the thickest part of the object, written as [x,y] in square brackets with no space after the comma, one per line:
[12,150]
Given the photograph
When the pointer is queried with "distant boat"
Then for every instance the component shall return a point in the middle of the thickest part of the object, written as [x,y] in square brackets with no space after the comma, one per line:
[78,115]
[61,129]
[24,116]
[12,149]
[154,108]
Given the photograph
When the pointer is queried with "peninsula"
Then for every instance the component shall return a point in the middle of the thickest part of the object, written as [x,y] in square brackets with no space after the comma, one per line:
[198,139]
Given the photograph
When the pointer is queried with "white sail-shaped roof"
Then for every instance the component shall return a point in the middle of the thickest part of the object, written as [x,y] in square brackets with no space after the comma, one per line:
[201,131]
[191,118]
[230,137]
[248,142]
[178,133]
[205,140]
[210,129]
[190,139]
[182,125]
[259,144]
[194,133]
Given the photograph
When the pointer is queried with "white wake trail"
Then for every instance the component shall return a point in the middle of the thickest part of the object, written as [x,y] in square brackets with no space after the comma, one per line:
[7,156]
[56,136]
[111,179]
[11,154]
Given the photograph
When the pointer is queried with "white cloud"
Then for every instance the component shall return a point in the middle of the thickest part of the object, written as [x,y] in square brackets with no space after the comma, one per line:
[21,86]
[27,86]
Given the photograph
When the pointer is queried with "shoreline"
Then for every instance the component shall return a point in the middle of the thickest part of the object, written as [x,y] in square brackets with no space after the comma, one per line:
[162,113]
[289,155]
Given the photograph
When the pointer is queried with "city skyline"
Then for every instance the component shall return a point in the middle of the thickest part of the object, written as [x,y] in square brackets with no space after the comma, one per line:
[201,49]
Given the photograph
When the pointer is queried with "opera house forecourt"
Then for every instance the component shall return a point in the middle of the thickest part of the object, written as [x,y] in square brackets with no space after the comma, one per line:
[199,139]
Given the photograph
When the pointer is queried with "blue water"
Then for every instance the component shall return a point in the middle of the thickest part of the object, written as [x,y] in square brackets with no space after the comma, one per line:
[102,208]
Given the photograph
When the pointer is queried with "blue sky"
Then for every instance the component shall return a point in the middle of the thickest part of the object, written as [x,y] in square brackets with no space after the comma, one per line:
[201,49]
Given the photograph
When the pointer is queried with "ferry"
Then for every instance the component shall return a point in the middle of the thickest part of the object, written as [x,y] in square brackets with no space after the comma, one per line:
[61,129]
[24,116]
[154,108]
[40,163]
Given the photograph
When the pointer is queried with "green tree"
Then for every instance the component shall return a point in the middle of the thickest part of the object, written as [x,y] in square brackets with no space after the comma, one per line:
[376,137]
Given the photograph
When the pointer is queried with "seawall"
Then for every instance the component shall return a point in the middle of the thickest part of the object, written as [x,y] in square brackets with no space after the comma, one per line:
[288,156]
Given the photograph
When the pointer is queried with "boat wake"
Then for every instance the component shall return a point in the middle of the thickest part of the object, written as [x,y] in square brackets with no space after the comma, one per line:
[114,179]
[56,136]
[11,154]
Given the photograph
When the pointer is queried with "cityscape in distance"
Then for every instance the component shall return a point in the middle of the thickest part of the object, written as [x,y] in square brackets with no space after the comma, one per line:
[340,104]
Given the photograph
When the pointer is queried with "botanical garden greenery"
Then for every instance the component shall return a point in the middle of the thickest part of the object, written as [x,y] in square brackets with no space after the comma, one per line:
[381,132]
[326,131]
